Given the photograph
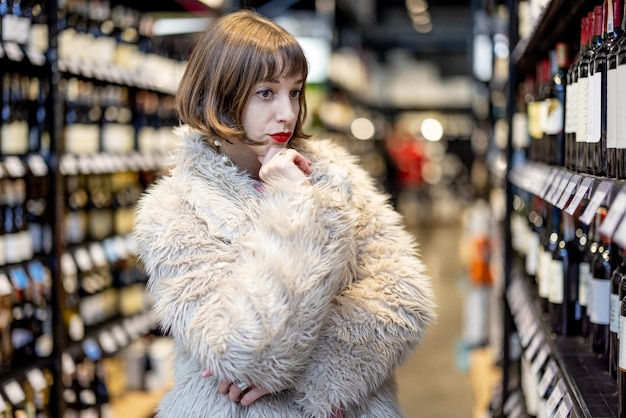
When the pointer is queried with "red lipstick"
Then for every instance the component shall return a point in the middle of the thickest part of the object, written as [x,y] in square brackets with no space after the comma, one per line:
[281,136]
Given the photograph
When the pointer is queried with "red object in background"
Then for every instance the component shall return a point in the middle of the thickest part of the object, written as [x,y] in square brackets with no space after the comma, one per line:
[407,153]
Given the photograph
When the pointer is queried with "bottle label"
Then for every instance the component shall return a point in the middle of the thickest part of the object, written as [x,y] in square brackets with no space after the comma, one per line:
[571,107]
[544,268]
[595,108]
[556,282]
[621,107]
[600,294]
[614,312]
[622,343]
[612,94]
[553,122]
[583,93]
[531,256]
[583,284]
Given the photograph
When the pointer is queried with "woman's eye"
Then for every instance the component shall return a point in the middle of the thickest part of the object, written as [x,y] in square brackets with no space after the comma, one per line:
[265,93]
[295,94]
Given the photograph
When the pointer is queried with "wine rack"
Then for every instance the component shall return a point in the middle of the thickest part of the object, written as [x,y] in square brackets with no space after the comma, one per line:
[572,380]
[87,111]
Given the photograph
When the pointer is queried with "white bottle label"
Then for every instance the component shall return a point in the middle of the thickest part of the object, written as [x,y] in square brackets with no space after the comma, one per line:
[595,110]
[612,94]
[622,343]
[583,283]
[583,93]
[556,282]
[531,256]
[614,311]
[601,294]
[621,107]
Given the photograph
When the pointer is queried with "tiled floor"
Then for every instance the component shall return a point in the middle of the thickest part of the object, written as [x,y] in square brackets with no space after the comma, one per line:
[436,383]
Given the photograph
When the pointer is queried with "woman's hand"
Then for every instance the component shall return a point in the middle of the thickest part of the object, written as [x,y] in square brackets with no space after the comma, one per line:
[234,392]
[287,163]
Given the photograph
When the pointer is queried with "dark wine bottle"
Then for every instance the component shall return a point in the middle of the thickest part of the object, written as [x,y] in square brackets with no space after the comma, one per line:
[565,310]
[554,136]
[601,269]
[615,35]
[616,283]
[583,96]
[596,132]
[571,102]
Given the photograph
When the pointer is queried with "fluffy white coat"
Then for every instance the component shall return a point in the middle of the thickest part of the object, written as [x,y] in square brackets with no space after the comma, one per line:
[319,290]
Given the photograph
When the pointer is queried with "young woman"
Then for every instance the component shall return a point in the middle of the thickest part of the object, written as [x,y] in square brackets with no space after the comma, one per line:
[284,277]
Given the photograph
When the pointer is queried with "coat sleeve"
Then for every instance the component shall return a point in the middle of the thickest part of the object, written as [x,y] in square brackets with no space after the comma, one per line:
[249,310]
[378,320]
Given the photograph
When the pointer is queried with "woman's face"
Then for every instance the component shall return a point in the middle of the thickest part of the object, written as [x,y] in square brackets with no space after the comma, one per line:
[271,113]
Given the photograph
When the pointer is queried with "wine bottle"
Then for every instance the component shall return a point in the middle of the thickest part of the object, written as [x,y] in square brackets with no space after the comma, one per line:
[616,284]
[583,96]
[620,151]
[621,373]
[565,310]
[571,105]
[615,35]
[589,248]
[596,129]
[555,105]
[601,270]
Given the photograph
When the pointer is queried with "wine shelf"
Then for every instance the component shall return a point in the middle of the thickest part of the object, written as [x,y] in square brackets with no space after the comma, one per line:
[588,388]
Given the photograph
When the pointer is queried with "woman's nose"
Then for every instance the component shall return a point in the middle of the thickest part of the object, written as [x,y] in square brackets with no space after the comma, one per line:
[287,110]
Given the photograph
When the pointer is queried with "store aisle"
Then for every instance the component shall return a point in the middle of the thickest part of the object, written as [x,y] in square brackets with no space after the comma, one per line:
[435,383]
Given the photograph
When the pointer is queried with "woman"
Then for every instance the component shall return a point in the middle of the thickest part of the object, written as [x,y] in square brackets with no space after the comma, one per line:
[284,277]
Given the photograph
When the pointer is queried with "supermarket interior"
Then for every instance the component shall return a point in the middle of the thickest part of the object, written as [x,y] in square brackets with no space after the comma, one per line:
[495,128]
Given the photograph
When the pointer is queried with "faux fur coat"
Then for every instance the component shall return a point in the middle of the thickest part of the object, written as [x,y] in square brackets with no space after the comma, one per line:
[317,290]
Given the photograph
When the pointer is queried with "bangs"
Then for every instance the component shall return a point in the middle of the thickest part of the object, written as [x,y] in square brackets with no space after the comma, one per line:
[287,60]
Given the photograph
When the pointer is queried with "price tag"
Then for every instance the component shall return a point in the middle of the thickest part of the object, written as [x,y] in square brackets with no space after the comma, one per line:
[540,359]
[512,401]
[601,194]
[108,343]
[13,51]
[534,346]
[554,185]
[68,266]
[547,378]
[565,408]
[15,393]
[14,167]
[92,349]
[548,182]
[555,397]
[37,165]
[120,335]
[19,278]
[563,182]
[36,271]
[615,214]
[67,165]
[83,260]
[37,379]
[98,254]
[619,237]
[36,57]
[569,191]
[581,193]
[67,364]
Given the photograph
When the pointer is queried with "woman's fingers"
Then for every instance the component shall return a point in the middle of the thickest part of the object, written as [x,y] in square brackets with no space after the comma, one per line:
[252,395]
[224,386]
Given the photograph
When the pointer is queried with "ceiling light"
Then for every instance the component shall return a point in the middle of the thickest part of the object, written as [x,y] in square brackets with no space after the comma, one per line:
[213,4]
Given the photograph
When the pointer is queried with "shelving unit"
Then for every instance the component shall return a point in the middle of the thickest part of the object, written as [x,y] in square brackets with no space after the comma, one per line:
[81,272]
[581,383]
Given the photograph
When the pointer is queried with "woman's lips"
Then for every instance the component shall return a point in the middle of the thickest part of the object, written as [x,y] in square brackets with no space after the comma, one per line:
[281,136]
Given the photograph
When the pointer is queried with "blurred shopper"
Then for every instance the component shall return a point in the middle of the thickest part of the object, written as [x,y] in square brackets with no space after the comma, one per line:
[284,277]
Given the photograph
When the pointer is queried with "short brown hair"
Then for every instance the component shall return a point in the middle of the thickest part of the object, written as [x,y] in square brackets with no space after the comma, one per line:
[236,52]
